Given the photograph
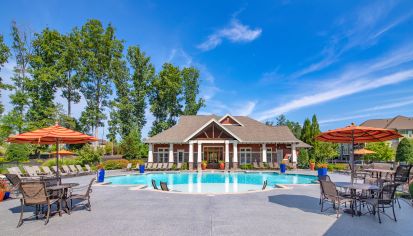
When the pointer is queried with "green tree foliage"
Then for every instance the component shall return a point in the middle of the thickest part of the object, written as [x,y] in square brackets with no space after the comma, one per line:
[100,53]
[315,127]
[383,152]
[303,158]
[132,147]
[404,151]
[306,134]
[190,78]
[18,152]
[69,63]
[19,99]
[47,50]
[142,77]
[89,155]
[323,151]
[4,56]
[165,98]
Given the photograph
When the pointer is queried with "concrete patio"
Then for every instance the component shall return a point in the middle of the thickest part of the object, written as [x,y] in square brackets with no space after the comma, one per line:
[120,210]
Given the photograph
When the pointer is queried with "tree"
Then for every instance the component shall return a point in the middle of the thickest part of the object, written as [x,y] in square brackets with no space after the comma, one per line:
[101,50]
[4,56]
[18,152]
[19,99]
[131,145]
[404,151]
[315,128]
[47,50]
[306,134]
[190,78]
[383,152]
[142,77]
[295,127]
[303,158]
[281,120]
[165,99]
[69,64]
[322,151]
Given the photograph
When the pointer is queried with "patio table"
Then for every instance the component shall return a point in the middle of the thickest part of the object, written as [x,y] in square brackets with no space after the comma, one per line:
[353,192]
[63,190]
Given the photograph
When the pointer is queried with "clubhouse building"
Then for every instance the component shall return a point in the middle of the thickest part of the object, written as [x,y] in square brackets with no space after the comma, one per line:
[235,140]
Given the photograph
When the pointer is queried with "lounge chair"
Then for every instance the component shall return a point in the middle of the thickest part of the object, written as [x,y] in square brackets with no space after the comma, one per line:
[154,185]
[82,196]
[165,166]
[73,169]
[332,195]
[149,166]
[255,165]
[35,195]
[169,166]
[12,170]
[271,165]
[67,170]
[128,167]
[47,170]
[276,166]
[54,168]
[262,166]
[30,171]
[179,166]
[37,169]
[81,171]
[89,169]
[164,186]
[264,185]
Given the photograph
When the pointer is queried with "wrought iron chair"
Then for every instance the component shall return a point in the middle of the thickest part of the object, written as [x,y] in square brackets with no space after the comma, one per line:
[83,197]
[164,186]
[154,185]
[35,195]
[385,198]
[332,195]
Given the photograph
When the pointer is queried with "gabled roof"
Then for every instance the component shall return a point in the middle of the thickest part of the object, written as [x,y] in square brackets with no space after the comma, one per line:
[398,122]
[213,120]
[252,130]
[231,117]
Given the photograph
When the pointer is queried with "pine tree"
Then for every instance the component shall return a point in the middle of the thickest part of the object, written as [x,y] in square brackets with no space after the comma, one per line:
[306,135]
[404,151]
[315,127]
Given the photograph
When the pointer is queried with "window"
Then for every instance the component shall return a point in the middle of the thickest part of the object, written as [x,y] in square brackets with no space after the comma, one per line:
[162,155]
[269,155]
[345,148]
[245,155]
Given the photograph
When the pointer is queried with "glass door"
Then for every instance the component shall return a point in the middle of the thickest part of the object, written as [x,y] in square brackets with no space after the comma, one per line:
[180,158]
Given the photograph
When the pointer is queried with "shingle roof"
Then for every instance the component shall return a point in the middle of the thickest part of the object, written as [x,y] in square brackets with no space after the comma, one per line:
[251,131]
[398,122]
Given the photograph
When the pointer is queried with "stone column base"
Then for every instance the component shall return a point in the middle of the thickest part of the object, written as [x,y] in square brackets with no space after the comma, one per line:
[198,167]
[235,165]
[226,166]
[190,165]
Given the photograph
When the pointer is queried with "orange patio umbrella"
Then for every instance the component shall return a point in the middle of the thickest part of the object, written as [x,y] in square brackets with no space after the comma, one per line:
[52,135]
[63,153]
[363,151]
[357,134]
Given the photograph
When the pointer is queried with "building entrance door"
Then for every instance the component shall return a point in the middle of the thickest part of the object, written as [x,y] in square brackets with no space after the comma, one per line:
[212,155]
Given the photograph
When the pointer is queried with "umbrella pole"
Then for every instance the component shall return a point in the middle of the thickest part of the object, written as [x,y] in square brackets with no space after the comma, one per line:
[57,160]
[352,157]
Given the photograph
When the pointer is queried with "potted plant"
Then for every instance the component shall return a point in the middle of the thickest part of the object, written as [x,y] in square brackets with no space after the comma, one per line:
[283,166]
[322,169]
[4,190]
[312,164]
[100,173]
[141,166]
[204,165]
[221,165]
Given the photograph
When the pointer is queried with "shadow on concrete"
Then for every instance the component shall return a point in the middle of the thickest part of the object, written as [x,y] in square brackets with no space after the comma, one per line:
[302,202]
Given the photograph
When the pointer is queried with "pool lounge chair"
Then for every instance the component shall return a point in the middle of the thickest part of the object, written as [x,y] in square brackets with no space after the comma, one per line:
[164,186]
[81,171]
[89,169]
[255,165]
[128,167]
[271,165]
[54,168]
[149,166]
[73,169]
[67,170]
[169,166]
[160,166]
[47,170]
[30,171]
[264,185]
[262,166]
[179,166]
[153,166]
[165,166]
[38,171]
[154,185]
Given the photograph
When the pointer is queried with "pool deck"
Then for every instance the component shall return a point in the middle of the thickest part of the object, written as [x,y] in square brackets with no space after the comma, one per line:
[125,210]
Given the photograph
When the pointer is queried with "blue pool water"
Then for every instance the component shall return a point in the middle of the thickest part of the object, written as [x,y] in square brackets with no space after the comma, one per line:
[213,182]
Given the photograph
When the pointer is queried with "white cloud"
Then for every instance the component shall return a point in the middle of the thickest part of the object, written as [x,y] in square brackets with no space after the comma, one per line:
[234,32]
[333,120]
[395,104]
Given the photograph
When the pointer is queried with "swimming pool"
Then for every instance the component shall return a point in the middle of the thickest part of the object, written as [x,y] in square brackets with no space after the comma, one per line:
[213,182]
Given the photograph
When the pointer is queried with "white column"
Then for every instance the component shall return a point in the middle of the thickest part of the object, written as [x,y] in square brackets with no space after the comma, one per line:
[264,152]
[293,153]
[226,151]
[171,153]
[235,152]
[191,153]
[150,153]
[199,159]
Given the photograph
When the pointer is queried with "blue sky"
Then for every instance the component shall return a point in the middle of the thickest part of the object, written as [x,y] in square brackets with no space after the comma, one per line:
[346,61]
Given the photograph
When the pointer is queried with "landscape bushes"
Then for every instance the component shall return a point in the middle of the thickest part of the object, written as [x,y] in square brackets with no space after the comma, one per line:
[246,167]
[115,164]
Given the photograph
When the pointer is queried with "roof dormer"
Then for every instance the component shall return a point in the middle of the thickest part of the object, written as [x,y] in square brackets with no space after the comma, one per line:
[229,120]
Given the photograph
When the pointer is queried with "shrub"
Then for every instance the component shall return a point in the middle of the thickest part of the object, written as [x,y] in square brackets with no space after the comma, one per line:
[303,158]
[63,161]
[132,147]
[18,152]
[404,151]
[115,164]
[246,167]
[411,189]
[89,155]
[184,166]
